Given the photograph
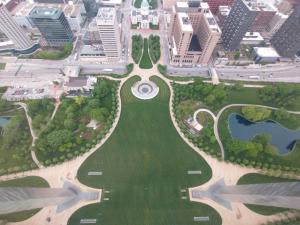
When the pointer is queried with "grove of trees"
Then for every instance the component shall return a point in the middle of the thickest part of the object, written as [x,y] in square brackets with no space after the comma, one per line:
[253,113]
[68,135]
[154,48]
[137,48]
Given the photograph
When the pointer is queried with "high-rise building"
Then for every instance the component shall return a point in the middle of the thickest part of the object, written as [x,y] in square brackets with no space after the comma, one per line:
[239,21]
[109,31]
[287,39]
[264,15]
[53,25]
[276,23]
[214,4]
[12,30]
[91,7]
[193,33]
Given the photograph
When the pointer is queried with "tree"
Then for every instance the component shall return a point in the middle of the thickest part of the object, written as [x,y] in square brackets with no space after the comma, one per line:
[58,137]
[99,114]
[281,114]
[254,114]
[70,124]
[80,100]
[101,89]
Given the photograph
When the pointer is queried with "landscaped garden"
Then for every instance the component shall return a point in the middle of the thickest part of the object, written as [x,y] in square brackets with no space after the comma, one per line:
[256,152]
[254,178]
[137,48]
[15,139]
[22,182]
[154,48]
[145,62]
[40,112]
[144,167]
[79,124]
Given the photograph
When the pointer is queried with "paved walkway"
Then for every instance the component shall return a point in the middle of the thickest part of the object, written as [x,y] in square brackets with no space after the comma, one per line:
[33,135]
[56,175]
[231,173]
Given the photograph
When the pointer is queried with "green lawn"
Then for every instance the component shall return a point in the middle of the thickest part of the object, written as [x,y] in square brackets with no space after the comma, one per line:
[254,178]
[145,62]
[144,165]
[22,182]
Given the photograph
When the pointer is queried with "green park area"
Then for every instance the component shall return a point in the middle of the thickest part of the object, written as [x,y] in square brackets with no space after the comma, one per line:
[2,66]
[137,48]
[257,152]
[154,48]
[53,54]
[145,62]
[40,112]
[78,125]
[254,178]
[145,168]
[22,182]
[15,139]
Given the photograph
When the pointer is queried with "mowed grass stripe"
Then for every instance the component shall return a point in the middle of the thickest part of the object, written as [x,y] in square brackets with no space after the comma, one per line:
[144,165]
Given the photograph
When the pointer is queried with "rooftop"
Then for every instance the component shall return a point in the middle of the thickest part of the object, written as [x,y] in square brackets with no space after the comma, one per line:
[24,8]
[45,12]
[185,22]
[266,52]
[106,15]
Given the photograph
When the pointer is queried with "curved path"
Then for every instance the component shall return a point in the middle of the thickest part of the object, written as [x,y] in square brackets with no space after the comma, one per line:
[56,175]
[67,171]
[34,136]
[216,129]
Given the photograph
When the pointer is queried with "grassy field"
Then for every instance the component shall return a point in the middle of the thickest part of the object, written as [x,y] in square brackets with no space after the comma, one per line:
[23,182]
[254,178]
[2,66]
[145,165]
[145,62]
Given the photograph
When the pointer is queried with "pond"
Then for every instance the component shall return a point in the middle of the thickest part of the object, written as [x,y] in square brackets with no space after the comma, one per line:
[4,120]
[282,138]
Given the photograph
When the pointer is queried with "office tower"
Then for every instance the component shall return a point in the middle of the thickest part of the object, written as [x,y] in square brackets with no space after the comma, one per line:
[12,30]
[287,39]
[193,33]
[239,21]
[286,6]
[91,7]
[53,25]
[214,4]
[109,33]
[276,23]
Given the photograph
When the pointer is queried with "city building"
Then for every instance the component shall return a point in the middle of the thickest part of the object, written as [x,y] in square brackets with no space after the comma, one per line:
[13,31]
[264,14]
[265,55]
[287,39]
[80,84]
[144,17]
[276,23]
[238,22]
[214,4]
[91,8]
[252,38]
[53,25]
[287,6]
[223,12]
[193,34]
[92,35]
[109,31]
[73,13]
